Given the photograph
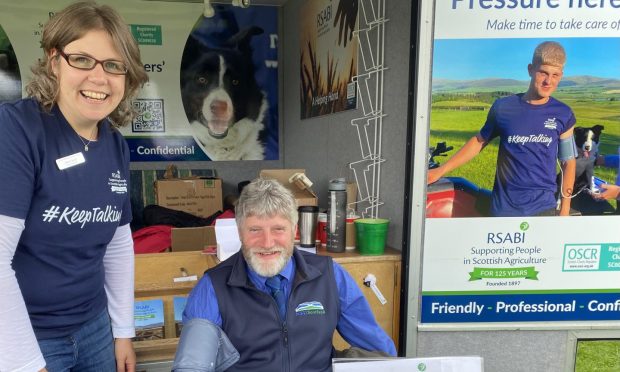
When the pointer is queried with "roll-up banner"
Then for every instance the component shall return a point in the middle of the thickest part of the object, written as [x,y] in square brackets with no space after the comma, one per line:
[493,250]
[192,109]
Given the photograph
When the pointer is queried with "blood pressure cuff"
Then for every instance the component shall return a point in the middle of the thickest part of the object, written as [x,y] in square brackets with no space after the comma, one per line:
[204,347]
[567,149]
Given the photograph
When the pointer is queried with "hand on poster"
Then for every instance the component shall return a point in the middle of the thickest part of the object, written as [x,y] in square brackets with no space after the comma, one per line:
[346,15]
[608,192]
[433,175]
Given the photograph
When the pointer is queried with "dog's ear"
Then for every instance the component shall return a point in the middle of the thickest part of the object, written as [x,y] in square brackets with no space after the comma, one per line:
[241,40]
[598,129]
[192,51]
[579,130]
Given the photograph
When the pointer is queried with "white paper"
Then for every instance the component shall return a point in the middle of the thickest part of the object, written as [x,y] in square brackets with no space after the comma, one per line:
[191,278]
[440,364]
[227,237]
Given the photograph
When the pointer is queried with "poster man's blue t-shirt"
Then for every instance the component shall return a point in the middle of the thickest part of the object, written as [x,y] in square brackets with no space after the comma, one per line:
[525,179]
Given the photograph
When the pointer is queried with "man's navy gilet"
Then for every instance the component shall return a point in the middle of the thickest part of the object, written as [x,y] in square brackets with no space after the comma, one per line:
[250,317]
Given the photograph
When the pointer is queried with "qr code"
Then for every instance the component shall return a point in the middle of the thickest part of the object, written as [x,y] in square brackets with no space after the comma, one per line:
[150,115]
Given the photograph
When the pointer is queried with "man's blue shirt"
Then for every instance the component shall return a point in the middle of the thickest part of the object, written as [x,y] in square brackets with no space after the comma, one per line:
[356,323]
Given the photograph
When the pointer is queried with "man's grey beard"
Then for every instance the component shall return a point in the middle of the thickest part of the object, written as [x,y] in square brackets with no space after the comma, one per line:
[267,270]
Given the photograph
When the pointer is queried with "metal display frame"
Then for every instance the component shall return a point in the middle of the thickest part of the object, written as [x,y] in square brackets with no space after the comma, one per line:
[369,127]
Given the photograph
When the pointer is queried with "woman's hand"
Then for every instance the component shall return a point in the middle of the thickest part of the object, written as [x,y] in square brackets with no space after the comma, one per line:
[125,356]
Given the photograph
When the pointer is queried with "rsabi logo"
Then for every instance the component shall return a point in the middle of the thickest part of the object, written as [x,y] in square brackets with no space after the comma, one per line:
[551,124]
[117,183]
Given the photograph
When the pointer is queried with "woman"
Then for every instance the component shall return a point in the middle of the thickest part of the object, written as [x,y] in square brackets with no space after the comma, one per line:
[66,253]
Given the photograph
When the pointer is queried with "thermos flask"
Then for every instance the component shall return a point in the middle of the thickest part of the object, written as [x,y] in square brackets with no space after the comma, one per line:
[307,226]
[336,214]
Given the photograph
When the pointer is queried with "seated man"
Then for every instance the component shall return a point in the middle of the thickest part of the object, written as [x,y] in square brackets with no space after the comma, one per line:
[279,306]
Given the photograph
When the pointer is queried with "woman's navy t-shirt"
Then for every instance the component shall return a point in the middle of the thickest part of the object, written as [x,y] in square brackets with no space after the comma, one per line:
[70,215]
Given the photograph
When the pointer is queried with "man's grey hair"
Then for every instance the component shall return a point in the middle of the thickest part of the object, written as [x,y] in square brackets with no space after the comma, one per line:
[265,198]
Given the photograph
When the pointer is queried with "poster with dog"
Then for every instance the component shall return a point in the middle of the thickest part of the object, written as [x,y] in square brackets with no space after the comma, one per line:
[522,266]
[213,93]
[213,82]
[229,95]
[10,78]
[328,57]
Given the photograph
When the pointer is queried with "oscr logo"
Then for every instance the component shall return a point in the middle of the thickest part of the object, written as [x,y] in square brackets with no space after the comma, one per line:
[581,257]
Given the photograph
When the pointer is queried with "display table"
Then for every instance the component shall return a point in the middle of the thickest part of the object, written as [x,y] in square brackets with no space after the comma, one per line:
[155,278]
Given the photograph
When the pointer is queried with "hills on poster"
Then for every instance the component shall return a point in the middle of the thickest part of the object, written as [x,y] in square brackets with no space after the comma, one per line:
[582,82]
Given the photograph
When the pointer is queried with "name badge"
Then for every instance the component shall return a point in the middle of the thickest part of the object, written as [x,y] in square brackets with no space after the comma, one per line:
[70,161]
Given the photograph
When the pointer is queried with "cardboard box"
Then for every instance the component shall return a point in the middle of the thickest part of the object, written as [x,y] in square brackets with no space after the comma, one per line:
[224,234]
[192,238]
[303,196]
[199,196]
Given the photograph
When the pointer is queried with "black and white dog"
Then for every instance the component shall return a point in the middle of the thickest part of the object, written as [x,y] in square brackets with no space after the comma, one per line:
[587,140]
[221,98]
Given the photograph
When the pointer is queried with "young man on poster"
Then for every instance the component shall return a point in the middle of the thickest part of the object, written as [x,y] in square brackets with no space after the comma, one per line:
[534,129]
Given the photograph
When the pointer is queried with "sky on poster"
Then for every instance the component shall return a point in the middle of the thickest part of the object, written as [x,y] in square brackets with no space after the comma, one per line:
[471,59]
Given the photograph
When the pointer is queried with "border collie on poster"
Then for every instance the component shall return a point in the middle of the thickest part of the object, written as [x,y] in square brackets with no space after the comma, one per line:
[587,141]
[221,98]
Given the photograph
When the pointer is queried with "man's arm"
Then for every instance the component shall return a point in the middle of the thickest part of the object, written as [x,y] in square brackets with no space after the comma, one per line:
[568,179]
[202,303]
[469,150]
[357,324]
